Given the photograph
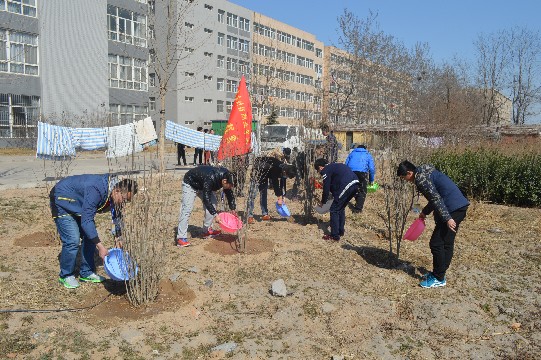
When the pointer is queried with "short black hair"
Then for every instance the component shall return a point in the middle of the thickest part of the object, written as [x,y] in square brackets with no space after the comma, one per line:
[362,146]
[127,185]
[231,178]
[320,162]
[199,128]
[324,128]
[404,167]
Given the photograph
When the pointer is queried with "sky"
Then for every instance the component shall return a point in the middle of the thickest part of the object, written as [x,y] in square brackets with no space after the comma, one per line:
[449,26]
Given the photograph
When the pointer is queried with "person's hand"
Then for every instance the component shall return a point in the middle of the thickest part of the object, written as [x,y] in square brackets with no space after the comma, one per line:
[102,250]
[217,219]
[451,224]
[280,200]
[234,213]
[422,215]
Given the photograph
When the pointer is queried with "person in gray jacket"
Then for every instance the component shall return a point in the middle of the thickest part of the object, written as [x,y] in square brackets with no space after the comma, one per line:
[450,207]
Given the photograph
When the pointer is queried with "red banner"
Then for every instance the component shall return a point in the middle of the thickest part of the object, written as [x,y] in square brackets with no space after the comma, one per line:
[237,139]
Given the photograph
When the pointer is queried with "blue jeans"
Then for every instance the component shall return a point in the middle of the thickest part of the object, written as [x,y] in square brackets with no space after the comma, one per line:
[338,212]
[262,187]
[70,231]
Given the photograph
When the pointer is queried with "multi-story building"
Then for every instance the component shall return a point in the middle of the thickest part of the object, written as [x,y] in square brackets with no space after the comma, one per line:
[211,47]
[287,71]
[71,62]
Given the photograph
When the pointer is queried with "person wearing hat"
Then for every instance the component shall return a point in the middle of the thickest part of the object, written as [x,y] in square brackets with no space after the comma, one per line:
[450,207]
[74,202]
[360,161]
[202,182]
[342,184]
[267,169]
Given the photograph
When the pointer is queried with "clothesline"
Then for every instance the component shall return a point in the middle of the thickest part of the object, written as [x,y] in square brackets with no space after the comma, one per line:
[60,142]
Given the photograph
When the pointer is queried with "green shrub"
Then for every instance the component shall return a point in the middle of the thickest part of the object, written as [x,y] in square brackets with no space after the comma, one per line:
[492,175]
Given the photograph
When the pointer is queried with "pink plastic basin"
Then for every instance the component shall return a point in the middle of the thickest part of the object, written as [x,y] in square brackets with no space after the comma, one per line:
[415,230]
[229,222]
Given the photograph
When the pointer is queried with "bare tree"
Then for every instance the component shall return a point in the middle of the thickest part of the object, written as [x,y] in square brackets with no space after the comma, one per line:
[525,47]
[493,59]
[172,41]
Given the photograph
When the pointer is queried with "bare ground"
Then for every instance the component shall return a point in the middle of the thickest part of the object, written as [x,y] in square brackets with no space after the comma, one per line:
[343,300]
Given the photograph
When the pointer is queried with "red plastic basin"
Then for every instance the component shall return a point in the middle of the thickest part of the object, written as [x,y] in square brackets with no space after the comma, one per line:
[229,222]
[415,230]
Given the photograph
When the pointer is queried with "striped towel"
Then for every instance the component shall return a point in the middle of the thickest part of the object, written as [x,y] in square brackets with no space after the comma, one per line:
[145,130]
[89,138]
[122,141]
[54,142]
[197,139]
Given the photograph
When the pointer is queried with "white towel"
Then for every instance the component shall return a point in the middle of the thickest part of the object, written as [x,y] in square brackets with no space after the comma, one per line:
[145,130]
[122,141]
[54,142]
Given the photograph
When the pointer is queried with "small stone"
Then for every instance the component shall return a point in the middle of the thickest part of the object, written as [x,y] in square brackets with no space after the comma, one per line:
[337,357]
[226,347]
[208,283]
[278,288]
[174,277]
[193,269]
[516,326]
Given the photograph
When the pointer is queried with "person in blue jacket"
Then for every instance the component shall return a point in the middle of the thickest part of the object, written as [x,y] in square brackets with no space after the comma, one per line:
[450,207]
[360,161]
[74,202]
[342,183]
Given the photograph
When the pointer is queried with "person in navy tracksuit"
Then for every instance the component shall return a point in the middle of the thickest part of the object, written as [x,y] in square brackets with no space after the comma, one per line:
[342,183]
[360,161]
[74,202]
[445,197]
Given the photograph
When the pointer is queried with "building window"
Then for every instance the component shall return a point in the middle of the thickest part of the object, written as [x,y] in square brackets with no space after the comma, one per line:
[124,114]
[244,24]
[221,14]
[126,26]
[232,42]
[207,101]
[188,98]
[24,7]
[232,20]
[188,122]
[18,52]
[221,38]
[220,106]
[18,115]
[231,86]
[228,106]
[220,84]
[152,103]
[220,63]
[319,53]
[127,73]
[231,64]
[152,79]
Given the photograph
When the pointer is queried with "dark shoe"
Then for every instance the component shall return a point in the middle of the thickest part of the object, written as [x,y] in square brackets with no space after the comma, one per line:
[330,237]
[251,220]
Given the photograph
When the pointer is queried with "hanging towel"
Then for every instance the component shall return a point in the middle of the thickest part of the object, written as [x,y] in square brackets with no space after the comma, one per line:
[145,130]
[89,138]
[197,139]
[54,142]
[122,141]
[255,145]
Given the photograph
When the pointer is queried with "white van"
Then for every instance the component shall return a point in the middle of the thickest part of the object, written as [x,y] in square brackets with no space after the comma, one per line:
[287,136]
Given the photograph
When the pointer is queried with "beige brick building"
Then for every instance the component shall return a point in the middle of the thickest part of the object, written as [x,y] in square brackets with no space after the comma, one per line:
[287,72]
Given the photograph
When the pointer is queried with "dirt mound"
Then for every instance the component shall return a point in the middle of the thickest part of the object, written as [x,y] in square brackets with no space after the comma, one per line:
[226,244]
[37,239]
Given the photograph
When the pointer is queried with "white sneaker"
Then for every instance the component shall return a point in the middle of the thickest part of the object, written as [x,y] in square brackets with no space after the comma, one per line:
[69,282]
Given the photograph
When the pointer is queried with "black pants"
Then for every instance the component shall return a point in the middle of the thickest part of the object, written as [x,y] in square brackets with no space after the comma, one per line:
[338,212]
[442,242]
[198,152]
[181,154]
[360,197]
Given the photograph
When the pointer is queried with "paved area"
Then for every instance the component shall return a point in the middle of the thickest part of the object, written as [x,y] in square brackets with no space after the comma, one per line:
[25,171]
